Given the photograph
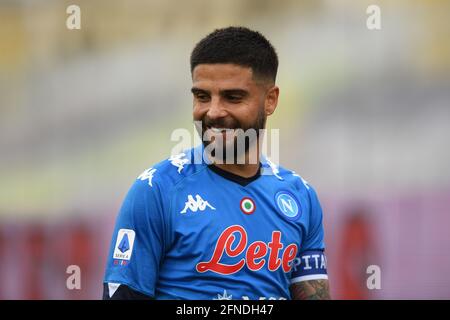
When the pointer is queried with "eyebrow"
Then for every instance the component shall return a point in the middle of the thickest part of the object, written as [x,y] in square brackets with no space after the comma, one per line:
[195,90]
[225,92]
[239,92]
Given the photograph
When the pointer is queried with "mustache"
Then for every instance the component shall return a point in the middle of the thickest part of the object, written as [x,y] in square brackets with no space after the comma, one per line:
[220,123]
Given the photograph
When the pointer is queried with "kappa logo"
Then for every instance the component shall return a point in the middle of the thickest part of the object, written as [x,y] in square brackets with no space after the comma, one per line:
[225,296]
[274,168]
[147,175]
[196,204]
[179,161]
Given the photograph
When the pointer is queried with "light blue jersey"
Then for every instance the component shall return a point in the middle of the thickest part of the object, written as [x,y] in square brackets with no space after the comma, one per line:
[193,231]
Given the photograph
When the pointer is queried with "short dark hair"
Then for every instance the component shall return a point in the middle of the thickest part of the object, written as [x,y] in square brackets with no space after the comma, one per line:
[240,46]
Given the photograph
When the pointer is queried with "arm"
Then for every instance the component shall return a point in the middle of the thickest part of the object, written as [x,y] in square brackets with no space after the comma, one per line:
[137,244]
[309,279]
[311,290]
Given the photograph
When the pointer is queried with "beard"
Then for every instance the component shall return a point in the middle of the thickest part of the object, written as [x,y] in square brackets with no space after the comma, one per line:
[235,143]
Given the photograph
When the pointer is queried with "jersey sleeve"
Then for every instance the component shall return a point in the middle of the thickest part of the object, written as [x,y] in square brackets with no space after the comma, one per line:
[311,263]
[115,291]
[137,244]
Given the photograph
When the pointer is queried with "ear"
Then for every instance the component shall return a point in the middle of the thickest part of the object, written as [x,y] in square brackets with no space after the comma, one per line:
[271,101]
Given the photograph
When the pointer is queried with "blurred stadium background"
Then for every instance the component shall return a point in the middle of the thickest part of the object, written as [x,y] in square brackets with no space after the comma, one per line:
[364,116]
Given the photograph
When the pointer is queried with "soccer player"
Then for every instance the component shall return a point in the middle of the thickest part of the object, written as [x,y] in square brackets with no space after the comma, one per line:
[214,229]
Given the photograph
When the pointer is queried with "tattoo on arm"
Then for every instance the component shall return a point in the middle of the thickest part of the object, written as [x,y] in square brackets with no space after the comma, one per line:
[311,290]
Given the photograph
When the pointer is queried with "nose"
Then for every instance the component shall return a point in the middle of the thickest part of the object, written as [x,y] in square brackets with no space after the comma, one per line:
[216,109]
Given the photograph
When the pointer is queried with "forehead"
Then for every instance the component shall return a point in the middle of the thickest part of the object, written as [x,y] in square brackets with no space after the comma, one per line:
[222,76]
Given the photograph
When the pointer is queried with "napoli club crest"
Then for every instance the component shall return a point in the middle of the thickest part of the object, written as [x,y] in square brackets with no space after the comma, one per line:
[288,205]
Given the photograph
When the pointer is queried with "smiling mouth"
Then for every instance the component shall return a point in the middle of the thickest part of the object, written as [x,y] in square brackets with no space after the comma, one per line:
[219,130]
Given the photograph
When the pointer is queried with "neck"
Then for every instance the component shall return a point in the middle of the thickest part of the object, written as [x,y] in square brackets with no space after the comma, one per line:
[243,170]
[248,168]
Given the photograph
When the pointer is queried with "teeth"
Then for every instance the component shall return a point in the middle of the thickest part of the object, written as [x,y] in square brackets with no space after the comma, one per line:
[217,130]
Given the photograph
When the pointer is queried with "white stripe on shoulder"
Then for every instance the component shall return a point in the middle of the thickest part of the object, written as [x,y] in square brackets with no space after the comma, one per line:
[305,183]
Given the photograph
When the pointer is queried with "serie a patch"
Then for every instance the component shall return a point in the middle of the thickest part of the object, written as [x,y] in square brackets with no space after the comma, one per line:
[124,244]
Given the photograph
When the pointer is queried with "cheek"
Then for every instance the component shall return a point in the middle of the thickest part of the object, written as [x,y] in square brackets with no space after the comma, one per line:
[197,113]
[250,111]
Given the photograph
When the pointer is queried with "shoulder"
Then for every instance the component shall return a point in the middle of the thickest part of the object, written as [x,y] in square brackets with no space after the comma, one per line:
[285,175]
[308,200]
[167,173]
[292,181]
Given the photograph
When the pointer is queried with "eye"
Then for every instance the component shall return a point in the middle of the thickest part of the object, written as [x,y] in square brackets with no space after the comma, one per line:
[202,97]
[234,98]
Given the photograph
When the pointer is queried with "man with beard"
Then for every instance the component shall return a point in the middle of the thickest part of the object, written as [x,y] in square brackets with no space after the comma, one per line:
[232,225]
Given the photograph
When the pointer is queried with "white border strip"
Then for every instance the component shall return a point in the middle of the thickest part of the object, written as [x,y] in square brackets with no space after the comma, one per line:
[112,288]
[309,277]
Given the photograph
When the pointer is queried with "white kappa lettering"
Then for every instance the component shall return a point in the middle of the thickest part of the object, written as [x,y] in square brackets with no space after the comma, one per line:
[197,204]
[179,161]
[147,175]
